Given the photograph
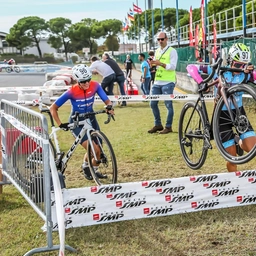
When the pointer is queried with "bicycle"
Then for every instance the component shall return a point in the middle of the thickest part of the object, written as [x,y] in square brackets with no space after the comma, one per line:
[33,160]
[10,68]
[196,131]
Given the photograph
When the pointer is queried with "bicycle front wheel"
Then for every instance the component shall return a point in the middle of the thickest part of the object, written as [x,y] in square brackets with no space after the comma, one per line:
[16,69]
[192,136]
[244,121]
[107,160]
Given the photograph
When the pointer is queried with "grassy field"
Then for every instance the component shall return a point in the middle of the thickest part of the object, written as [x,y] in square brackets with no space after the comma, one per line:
[140,156]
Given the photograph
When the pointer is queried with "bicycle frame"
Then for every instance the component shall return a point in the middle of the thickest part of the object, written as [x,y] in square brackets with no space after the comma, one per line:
[87,129]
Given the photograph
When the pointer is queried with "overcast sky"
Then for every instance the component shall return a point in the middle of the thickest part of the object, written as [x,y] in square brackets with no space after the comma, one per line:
[13,10]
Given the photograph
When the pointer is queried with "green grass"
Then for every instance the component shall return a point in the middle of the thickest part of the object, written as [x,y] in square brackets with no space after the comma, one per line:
[140,156]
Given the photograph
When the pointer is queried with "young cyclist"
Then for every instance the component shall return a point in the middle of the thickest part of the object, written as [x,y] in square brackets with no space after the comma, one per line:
[239,57]
[81,96]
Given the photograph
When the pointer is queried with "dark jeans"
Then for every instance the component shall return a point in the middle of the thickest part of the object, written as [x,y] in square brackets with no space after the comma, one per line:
[145,86]
[120,80]
[108,83]
[128,72]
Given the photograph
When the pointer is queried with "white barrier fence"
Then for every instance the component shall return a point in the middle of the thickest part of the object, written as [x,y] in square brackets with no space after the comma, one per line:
[154,198]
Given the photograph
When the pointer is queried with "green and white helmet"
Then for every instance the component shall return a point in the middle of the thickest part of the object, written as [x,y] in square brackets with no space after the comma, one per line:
[240,52]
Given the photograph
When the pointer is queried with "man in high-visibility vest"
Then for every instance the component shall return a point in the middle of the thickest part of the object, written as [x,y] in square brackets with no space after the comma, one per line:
[166,59]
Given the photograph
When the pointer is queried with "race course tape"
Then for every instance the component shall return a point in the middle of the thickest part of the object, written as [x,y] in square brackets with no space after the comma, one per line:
[156,97]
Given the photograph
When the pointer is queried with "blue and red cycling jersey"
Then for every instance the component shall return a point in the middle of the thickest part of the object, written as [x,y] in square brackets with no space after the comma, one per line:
[82,100]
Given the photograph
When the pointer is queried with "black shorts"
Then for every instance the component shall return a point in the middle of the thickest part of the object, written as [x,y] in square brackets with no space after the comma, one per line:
[226,128]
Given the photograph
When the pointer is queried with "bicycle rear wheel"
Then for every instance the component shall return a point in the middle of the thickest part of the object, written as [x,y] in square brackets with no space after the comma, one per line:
[192,136]
[8,69]
[244,121]
[26,159]
[107,161]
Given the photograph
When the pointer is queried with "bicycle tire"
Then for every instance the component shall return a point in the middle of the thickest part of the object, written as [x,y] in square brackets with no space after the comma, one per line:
[17,69]
[108,165]
[25,165]
[240,126]
[8,69]
[191,127]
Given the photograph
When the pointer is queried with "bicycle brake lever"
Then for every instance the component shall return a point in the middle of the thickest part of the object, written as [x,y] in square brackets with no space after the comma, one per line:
[113,118]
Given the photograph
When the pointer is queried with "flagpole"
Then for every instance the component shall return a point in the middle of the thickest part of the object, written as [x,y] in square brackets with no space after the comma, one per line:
[138,26]
[177,22]
[205,29]
[146,26]
[162,15]
[153,32]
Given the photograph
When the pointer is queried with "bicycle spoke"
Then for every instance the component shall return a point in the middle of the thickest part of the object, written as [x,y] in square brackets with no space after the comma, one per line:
[192,136]
[227,133]
[107,169]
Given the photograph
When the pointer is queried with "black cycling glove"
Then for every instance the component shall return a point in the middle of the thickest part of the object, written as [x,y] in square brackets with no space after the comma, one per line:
[109,107]
[64,126]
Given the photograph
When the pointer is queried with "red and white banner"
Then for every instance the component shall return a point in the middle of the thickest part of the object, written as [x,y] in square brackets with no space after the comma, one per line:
[137,9]
[190,27]
[202,27]
[154,198]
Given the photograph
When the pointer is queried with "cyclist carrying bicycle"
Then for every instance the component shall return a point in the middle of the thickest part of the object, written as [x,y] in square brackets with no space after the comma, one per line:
[239,57]
[81,96]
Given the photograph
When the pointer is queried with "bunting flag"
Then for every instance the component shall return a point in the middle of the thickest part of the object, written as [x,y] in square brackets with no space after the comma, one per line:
[130,17]
[137,9]
[202,28]
[190,27]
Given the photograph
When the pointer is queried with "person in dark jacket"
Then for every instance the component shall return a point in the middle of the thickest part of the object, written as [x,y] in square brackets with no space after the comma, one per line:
[120,78]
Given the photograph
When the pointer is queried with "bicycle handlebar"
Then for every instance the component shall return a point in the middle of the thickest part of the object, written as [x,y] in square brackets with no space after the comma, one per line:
[216,68]
[76,116]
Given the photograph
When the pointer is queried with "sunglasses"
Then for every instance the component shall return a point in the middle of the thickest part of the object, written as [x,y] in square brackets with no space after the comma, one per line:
[238,65]
[84,81]
[160,39]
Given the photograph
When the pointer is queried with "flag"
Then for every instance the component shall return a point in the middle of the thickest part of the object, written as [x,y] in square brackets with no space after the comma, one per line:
[190,27]
[131,12]
[196,41]
[124,26]
[127,23]
[130,17]
[137,9]
[202,27]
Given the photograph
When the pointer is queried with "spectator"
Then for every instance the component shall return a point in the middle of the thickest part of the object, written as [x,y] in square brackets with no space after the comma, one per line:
[166,60]
[145,74]
[152,67]
[128,64]
[119,74]
[106,72]
[81,96]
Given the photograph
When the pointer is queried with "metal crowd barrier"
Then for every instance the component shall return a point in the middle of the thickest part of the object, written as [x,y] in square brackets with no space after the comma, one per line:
[26,162]
[32,68]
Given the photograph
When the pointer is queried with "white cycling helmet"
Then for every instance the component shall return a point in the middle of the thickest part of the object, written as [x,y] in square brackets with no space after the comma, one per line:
[81,72]
[240,52]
